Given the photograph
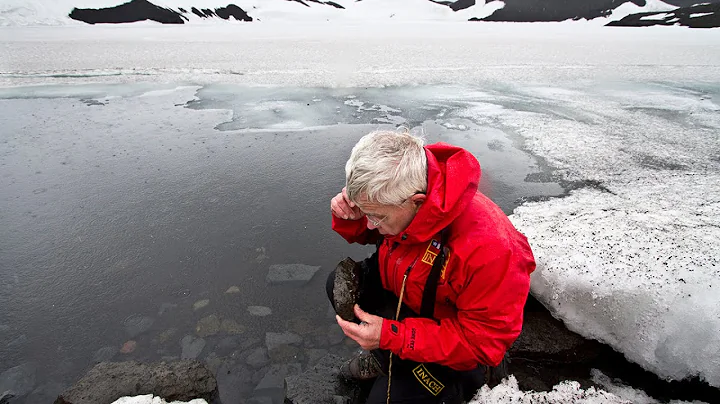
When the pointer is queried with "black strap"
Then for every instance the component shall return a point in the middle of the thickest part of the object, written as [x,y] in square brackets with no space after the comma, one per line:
[427,308]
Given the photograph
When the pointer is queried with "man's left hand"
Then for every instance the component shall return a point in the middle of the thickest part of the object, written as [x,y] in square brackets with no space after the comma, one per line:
[367,333]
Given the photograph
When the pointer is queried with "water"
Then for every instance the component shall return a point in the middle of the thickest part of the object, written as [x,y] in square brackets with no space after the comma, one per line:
[124,205]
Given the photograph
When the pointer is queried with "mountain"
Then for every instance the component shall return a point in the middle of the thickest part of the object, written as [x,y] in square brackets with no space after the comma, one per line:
[609,12]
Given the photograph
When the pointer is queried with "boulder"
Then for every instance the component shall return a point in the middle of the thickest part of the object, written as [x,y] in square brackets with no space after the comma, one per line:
[108,381]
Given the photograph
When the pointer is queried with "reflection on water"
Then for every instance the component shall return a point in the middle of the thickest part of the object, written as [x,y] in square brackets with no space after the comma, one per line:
[141,225]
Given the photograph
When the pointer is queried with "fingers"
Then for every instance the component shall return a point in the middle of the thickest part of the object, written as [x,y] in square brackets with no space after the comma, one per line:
[342,207]
[362,315]
[367,333]
[347,198]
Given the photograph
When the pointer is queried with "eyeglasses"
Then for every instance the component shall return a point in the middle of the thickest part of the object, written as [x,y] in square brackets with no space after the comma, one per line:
[375,223]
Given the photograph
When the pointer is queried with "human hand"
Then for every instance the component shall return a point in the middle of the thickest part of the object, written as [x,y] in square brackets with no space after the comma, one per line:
[342,207]
[367,333]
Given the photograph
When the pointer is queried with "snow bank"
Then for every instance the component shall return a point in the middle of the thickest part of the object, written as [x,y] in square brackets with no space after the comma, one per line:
[633,261]
[508,392]
[149,399]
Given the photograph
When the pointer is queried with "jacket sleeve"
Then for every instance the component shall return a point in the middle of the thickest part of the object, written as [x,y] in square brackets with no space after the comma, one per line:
[489,318]
[355,231]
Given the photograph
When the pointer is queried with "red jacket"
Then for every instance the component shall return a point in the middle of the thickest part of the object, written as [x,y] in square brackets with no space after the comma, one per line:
[486,279]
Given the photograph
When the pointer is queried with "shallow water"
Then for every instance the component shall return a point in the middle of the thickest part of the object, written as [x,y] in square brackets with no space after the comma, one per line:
[125,205]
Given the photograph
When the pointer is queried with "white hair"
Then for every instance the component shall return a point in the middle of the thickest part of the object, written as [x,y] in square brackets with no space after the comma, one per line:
[386,167]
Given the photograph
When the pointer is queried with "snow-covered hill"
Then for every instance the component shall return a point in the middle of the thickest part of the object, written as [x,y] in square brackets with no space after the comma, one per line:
[59,12]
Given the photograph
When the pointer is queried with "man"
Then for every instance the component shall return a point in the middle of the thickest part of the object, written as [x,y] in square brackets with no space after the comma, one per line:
[460,270]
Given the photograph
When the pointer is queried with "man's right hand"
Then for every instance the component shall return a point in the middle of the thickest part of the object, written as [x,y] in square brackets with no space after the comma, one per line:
[342,207]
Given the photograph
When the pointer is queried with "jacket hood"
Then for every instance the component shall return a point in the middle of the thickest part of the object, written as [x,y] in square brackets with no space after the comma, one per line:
[453,177]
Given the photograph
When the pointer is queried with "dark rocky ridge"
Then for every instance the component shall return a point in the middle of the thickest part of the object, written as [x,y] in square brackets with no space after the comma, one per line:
[513,11]
[682,16]
[143,10]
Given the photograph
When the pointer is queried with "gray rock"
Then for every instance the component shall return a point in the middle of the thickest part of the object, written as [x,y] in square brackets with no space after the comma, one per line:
[260,400]
[6,397]
[207,326]
[234,382]
[137,324]
[274,379]
[314,355]
[227,345]
[260,311]
[546,338]
[257,358]
[104,354]
[285,354]
[46,393]
[335,334]
[191,347]
[275,339]
[291,273]
[18,380]
[107,381]
[320,384]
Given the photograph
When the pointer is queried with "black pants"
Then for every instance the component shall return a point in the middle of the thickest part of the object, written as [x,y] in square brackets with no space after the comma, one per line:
[411,382]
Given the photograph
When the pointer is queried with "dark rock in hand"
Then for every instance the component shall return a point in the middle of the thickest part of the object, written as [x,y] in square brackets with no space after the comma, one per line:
[346,288]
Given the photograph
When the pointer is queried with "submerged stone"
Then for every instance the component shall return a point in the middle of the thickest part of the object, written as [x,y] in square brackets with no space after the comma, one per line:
[291,273]
[207,326]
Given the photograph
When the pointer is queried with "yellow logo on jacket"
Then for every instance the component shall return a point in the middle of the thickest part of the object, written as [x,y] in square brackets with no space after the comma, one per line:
[431,252]
[428,380]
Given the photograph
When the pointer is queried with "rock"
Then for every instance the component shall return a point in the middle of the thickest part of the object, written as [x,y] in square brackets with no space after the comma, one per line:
[128,347]
[137,324]
[335,334]
[346,288]
[231,326]
[284,354]
[207,326]
[227,345]
[260,400]
[314,355]
[191,347]
[166,335]
[45,393]
[233,289]
[132,11]
[257,358]
[274,339]
[301,325]
[319,384]
[6,397]
[274,379]
[546,338]
[108,381]
[234,383]
[291,273]
[200,304]
[260,311]
[104,354]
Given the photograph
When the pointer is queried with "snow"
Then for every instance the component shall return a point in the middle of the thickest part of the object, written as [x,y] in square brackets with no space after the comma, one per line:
[149,399]
[508,392]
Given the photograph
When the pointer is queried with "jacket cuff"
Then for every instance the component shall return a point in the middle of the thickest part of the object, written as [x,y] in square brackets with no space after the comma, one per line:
[392,336]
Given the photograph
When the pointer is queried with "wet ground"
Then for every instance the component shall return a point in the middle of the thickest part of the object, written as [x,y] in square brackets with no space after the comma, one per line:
[141,221]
